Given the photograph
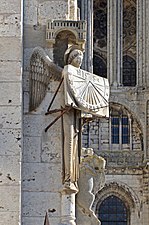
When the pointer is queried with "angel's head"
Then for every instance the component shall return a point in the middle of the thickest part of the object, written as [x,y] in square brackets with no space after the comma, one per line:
[74,57]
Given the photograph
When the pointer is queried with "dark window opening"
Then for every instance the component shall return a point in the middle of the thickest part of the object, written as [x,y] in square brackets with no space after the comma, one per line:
[120,127]
[125,130]
[99,66]
[115,130]
[113,211]
[129,71]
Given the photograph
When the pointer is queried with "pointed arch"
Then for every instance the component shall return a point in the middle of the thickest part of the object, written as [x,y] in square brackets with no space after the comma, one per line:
[120,190]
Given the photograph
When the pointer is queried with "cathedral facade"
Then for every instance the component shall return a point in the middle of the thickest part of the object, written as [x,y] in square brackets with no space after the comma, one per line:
[120,53]
[31,153]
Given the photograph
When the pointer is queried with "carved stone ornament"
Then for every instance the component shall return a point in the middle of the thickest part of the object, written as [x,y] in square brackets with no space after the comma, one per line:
[78,28]
[116,159]
[86,91]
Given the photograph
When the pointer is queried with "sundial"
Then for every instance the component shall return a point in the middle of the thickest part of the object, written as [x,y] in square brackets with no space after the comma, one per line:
[86,91]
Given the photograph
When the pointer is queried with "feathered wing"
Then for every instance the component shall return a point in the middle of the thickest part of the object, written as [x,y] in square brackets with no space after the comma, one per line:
[42,71]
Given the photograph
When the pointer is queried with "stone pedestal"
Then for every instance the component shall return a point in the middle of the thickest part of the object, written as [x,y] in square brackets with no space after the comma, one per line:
[68,207]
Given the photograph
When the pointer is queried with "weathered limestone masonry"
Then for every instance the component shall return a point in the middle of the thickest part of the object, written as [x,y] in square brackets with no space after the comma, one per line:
[10,110]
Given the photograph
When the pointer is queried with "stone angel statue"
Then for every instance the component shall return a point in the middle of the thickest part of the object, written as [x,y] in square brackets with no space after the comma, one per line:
[83,91]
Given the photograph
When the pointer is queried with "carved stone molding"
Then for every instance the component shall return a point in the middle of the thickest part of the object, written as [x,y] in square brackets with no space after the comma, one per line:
[123,158]
[78,28]
[119,190]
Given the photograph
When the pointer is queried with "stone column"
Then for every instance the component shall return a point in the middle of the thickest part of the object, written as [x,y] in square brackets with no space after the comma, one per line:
[114,41]
[147,41]
[87,14]
[73,9]
[146,137]
[145,194]
[141,42]
[68,208]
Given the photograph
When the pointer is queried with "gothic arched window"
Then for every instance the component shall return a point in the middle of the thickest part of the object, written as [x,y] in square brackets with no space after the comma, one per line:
[112,211]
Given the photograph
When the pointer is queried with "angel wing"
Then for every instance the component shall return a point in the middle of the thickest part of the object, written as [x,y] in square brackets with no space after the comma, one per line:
[42,71]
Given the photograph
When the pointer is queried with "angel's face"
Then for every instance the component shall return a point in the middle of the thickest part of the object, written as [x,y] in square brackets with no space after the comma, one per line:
[77,58]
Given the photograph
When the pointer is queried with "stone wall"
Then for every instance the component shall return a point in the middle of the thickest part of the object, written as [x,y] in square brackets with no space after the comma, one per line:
[42,168]
[10,110]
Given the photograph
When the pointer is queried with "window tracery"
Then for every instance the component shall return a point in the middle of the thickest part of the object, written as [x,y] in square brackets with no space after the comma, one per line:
[120,128]
[129,25]
[100,37]
[112,211]
[114,194]
[128,48]
[129,43]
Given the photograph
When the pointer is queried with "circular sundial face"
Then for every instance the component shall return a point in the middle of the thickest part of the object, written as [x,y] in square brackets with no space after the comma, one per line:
[90,91]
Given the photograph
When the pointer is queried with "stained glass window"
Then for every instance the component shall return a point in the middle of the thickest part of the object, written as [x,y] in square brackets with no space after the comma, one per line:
[112,211]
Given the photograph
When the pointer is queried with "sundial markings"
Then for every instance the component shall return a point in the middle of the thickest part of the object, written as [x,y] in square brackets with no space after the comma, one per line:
[98,101]
[93,97]
[79,77]
[87,95]
[98,87]
[96,97]
[83,93]
[102,90]
[90,99]
[84,90]
[100,93]
[79,88]
[99,84]
[90,96]
[102,99]
[90,91]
